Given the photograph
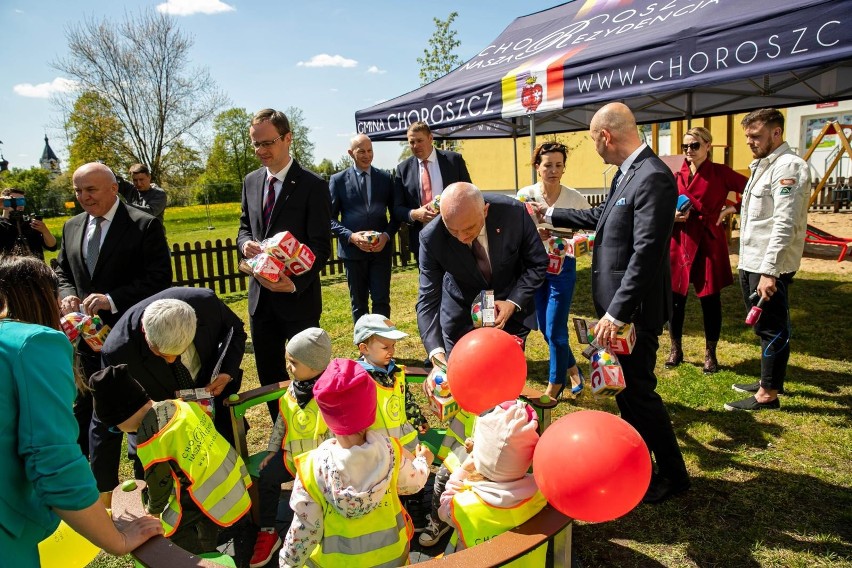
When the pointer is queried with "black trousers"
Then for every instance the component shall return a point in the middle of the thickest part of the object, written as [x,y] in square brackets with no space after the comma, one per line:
[711,309]
[773,328]
[269,335]
[642,407]
[269,489]
[369,277]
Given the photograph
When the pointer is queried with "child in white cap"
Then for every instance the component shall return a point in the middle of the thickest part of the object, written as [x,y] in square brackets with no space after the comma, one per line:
[346,494]
[299,428]
[492,491]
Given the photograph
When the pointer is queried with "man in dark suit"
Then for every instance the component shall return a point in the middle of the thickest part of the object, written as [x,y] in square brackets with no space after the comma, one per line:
[111,257]
[282,196]
[178,334]
[362,196]
[631,281]
[422,177]
[481,242]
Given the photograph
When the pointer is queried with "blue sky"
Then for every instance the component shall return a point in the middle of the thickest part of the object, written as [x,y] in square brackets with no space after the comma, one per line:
[327,57]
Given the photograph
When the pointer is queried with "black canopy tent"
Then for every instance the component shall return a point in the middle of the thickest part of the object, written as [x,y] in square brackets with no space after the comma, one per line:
[666,59]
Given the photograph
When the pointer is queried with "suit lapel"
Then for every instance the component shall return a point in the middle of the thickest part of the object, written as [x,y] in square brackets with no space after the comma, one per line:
[414,181]
[495,244]
[622,186]
[76,233]
[117,228]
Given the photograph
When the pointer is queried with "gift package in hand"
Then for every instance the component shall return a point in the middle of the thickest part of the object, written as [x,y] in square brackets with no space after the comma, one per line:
[621,345]
[482,311]
[557,249]
[607,377]
[91,328]
[436,387]
[296,257]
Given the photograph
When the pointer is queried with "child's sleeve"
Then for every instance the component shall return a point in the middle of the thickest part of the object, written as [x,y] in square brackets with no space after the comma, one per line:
[276,438]
[160,485]
[305,531]
[454,484]
[413,474]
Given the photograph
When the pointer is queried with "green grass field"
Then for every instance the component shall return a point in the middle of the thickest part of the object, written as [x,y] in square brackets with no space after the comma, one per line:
[771,489]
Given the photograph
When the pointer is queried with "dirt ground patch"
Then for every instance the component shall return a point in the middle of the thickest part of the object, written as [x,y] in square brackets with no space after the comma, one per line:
[817,258]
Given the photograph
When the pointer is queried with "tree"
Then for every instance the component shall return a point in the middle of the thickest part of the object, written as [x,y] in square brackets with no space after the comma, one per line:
[439,59]
[96,134]
[232,155]
[140,66]
[181,167]
[33,181]
[302,148]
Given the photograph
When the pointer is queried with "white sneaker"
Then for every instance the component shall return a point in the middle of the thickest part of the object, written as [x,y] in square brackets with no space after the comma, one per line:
[433,532]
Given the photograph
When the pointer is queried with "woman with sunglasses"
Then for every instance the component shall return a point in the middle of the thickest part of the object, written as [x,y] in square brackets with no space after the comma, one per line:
[43,473]
[19,234]
[699,245]
[553,298]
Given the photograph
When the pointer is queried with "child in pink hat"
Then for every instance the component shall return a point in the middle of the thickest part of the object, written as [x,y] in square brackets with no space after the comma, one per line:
[492,491]
[347,490]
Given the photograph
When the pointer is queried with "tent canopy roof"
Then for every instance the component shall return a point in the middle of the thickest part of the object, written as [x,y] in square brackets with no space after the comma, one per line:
[666,59]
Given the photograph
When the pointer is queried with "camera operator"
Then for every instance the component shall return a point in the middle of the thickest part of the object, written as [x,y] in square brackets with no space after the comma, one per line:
[22,234]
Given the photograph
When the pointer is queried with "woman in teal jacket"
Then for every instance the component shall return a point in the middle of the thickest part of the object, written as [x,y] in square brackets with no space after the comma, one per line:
[43,474]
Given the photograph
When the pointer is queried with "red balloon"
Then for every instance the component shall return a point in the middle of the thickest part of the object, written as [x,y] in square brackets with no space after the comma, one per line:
[592,466]
[486,367]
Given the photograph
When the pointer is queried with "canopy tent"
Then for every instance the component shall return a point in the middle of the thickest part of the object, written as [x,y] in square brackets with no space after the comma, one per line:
[666,59]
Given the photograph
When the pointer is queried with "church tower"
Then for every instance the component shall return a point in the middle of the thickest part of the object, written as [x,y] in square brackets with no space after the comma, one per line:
[49,160]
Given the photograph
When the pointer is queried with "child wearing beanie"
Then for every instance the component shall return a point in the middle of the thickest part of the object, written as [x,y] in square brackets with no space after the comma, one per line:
[492,491]
[299,428]
[195,480]
[346,494]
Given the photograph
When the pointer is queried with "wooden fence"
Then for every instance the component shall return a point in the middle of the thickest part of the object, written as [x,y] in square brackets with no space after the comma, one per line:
[214,264]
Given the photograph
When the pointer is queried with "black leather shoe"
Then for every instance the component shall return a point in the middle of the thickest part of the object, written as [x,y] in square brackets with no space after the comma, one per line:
[662,488]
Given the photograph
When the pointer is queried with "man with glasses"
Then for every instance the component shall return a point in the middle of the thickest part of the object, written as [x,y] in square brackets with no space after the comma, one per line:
[282,196]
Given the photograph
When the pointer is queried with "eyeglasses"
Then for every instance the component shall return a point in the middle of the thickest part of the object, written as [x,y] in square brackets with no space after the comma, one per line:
[694,146]
[552,147]
[267,143]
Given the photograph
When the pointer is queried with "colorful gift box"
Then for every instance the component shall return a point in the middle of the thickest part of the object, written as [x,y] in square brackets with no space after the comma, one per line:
[300,262]
[624,340]
[438,395]
[607,377]
[482,311]
[71,325]
[200,397]
[94,332]
[554,263]
[281,245]
[581,245]
[266,266]
[373,236]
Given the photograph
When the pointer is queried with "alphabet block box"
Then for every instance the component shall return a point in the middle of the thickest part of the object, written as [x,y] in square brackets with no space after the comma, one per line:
[441,401]
[607,377]
[624,341]
[281,245]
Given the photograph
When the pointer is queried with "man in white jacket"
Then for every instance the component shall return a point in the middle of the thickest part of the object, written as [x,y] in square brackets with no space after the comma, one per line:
[772,237]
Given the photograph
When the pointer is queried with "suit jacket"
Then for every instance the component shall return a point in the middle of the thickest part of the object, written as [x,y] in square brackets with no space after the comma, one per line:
[450,278]
[133,263]
[631,275]
[406,188]
[347,202]
[126,343]
[304,208]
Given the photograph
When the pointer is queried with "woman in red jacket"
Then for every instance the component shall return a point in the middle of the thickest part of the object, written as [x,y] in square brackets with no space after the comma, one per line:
[699,247]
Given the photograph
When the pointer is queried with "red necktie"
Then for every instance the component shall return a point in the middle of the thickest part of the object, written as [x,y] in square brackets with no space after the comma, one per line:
[269,204]
[425,184]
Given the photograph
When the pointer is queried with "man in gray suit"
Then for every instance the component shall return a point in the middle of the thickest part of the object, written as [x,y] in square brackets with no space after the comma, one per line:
[362,196]
[631,281]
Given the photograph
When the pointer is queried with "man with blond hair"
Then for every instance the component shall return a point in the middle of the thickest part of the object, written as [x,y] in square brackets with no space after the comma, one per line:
[362,196]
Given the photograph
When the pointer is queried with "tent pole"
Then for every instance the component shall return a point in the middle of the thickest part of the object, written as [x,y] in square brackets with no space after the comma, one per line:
[532,146]
[515,151]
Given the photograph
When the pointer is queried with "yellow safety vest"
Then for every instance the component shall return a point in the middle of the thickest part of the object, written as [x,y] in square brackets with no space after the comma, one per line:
[218,478]
[452,451]
[390,413]
[305,428]
[379,539]
[478,522]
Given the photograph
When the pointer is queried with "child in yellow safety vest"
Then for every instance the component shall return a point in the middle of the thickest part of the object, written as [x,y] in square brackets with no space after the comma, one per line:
[346,495]
[492,492]
[195,480]
[299,428]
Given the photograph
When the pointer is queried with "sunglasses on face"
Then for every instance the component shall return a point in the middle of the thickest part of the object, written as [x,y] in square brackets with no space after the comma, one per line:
[14,201]
[694,146]
[552,147]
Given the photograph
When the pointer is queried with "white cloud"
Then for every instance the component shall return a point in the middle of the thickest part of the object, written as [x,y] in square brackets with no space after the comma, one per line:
[333,90]
[17,11]
[374,69]
[45,90]
[190,7]
[326,60]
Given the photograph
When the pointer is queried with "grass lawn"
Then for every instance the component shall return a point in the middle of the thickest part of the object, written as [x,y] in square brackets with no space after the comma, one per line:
[770,489]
